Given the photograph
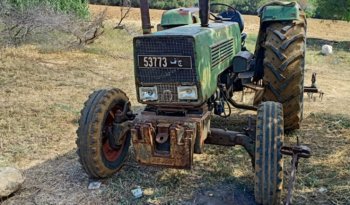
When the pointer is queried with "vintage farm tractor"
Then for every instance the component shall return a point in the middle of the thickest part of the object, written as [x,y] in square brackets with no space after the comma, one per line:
[188,71]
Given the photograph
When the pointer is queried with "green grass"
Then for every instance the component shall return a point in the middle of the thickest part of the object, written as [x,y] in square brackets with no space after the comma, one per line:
[334,122]
[114,43]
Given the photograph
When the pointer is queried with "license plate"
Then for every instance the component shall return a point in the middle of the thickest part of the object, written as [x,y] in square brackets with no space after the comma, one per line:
[183,62]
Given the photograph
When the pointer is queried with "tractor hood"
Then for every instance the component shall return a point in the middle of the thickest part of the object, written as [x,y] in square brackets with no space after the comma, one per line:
[196,29]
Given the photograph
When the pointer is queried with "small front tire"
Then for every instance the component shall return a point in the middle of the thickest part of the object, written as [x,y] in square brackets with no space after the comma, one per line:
[97,156]
[268,157]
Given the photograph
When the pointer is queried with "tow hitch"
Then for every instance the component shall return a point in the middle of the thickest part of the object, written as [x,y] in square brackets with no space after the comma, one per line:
[297,152]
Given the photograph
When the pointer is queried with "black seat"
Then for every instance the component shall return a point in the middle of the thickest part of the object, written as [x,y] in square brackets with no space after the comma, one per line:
[235,16]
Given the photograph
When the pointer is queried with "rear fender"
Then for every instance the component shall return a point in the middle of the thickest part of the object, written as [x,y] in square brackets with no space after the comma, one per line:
[279,11]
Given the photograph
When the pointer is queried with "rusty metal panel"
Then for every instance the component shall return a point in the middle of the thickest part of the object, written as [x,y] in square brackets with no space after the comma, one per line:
[166,141]
[180,153]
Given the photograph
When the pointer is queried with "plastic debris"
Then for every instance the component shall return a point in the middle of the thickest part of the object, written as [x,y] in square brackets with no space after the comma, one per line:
[137,192]
[322,190]
[94,185]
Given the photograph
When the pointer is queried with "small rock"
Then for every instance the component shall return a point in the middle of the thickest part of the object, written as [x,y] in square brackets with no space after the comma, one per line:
[327,50]
[322,190]
[11,180]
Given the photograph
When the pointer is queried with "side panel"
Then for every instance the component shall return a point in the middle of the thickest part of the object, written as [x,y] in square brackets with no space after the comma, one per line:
[280,12]
[214,55]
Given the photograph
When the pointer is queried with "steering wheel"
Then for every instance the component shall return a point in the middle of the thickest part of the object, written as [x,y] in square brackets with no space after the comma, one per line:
[218,17]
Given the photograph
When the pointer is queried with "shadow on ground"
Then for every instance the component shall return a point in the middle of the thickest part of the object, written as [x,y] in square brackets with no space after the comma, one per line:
[229,193]
[62,181]
[219,176]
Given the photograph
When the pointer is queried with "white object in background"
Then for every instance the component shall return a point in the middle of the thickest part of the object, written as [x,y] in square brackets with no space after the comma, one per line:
[327,50]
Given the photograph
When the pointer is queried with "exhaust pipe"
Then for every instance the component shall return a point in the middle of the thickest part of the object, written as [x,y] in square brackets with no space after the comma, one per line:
[204,12]
[145,17]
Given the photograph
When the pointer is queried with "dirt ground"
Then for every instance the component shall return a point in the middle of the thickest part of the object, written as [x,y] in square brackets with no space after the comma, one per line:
[42,94]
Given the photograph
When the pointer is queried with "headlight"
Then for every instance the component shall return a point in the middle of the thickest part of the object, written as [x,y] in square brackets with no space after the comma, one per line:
[148,93]
[187,92]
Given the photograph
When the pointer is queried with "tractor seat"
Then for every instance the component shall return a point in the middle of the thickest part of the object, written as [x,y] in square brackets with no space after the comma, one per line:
[235,16]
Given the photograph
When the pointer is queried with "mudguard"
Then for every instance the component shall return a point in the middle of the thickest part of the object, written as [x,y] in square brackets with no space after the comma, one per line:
[181,16]
[279,11]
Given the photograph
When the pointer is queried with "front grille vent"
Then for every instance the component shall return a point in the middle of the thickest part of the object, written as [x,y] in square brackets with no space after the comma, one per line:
[221,52]
[167,93]
[165,46]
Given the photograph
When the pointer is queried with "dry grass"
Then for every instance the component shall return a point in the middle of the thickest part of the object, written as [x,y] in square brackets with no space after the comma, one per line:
[42,94]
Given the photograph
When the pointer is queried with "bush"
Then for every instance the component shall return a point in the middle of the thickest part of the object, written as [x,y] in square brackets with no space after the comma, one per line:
[337,10]
[154,4]
[78,7]
[45,24]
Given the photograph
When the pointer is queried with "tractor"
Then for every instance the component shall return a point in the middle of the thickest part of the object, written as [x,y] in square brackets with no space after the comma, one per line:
[189,70]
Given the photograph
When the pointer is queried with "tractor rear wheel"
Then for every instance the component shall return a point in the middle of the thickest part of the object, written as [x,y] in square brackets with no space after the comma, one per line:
[268,157]
[98,156]
[284,64]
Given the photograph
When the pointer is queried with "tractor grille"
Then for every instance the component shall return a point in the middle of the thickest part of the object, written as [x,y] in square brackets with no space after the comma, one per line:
[221,52]
[165,46]
[167,93]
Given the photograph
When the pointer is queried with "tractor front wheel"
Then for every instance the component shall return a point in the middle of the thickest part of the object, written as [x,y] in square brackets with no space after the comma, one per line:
[99,155]
[268,157]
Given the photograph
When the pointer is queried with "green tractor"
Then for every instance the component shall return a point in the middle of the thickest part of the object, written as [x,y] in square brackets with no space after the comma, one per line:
[189,70]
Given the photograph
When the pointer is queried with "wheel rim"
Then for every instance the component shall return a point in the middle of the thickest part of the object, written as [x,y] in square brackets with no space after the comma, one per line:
[111,154]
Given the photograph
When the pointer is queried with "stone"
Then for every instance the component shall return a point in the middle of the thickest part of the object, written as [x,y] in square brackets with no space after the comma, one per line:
[327,50]
[11,180]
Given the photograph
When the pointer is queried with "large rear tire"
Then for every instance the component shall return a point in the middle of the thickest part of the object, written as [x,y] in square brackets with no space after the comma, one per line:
[268,157]
[284,63]
[97,156]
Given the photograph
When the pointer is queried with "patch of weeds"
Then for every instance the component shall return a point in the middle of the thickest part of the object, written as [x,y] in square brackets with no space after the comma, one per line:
[66,108]
[120,48]
[332,121]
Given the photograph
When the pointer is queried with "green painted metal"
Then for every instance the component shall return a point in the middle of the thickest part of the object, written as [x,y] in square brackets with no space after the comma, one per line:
[179,16]
[280,11]
[205,38]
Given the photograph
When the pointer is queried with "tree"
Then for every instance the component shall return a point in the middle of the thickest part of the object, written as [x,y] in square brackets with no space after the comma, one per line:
[34,22]
[124,12]
[77,7]
[337,10]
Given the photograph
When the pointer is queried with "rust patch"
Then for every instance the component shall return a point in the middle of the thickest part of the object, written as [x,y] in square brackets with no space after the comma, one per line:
[172,146]
[166,141]
[183,12]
